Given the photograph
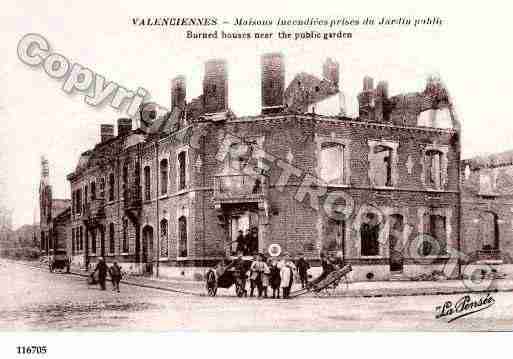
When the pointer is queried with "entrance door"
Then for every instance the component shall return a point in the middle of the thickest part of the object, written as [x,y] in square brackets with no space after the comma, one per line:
[243,222]
[395,239]
[147,250]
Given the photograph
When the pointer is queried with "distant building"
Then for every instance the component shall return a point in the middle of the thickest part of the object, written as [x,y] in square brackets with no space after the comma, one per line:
[173,194]
[54,215]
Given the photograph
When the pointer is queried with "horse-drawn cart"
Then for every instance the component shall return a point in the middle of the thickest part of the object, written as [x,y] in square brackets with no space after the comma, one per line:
[227,276]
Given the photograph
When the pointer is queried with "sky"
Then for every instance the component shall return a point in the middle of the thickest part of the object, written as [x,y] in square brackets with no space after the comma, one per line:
[470,52]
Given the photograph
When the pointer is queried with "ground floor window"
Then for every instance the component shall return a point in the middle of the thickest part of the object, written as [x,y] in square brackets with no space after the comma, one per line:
[125,236]
[111,238]
[435,226]
[93,241]
[182,237]
[369,232]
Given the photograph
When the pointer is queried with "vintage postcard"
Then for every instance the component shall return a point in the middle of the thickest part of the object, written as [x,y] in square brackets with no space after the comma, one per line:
[208,169]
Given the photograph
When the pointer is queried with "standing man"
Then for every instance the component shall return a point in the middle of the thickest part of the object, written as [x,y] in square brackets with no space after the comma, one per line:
[115,275]
[241,243]
[302,268]
[102,269]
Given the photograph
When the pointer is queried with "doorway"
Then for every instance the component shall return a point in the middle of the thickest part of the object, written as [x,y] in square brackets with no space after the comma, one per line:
[395,240]
[243,231]
[147,250]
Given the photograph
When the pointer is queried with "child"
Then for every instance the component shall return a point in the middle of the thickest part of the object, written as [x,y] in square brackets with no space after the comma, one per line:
[287,278]
[274,278]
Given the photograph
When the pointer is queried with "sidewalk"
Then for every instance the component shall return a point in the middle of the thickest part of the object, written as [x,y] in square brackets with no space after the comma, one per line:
[356,289]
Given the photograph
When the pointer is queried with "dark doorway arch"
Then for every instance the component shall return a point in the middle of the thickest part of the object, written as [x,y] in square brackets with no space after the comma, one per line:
[147,249]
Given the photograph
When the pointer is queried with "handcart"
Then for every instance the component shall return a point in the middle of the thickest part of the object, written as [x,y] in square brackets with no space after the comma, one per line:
[327,285]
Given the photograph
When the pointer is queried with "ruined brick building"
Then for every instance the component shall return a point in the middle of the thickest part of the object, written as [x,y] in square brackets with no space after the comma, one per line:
[487,210]
[171,195]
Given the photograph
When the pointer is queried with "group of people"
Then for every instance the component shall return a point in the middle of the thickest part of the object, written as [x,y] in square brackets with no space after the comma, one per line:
[278,274]
[265,273]
[103,269]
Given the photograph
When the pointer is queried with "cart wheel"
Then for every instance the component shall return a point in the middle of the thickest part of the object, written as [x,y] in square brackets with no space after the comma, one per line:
[239,290]
[211,284]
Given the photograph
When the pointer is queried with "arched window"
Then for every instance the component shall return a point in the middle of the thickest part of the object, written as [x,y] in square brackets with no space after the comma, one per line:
[102,187]
[164,235]
[93,191]
[182,237]
[147,183]
[111,186]
[181,170]
[125,236]
[369,232]
[124,181]
[93,241]
[81,238]
[111,238]
[163,176]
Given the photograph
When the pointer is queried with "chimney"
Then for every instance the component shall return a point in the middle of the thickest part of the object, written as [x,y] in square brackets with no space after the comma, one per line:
[381,100]
[366,100]
[124,126]
[106,132]
[178,87]
[215,86]
[330,71]
[272,82]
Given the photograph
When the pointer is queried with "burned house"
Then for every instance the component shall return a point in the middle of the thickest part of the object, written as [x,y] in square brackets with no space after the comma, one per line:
[172,195]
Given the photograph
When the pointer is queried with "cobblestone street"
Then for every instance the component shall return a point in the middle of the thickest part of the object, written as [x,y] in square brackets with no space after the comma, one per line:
[34,299]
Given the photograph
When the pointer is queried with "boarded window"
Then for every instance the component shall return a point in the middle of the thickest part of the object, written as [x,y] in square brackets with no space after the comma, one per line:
[164,244]
[182,237]
[332,163]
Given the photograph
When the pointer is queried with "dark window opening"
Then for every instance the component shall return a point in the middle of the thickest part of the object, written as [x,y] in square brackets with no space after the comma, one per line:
[369,231]
[147,183]
[182,237]
[181,171]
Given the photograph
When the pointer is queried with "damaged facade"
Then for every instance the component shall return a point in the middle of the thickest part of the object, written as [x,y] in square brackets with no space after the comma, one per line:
[171,195]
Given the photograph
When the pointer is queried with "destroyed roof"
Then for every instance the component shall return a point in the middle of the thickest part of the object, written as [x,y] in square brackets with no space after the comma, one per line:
[493,160]
[306,89]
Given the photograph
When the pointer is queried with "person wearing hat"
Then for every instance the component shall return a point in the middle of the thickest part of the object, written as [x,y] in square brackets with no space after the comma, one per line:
[302,268]
[258,270]
[102,269]
[115,275]
[286,275]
